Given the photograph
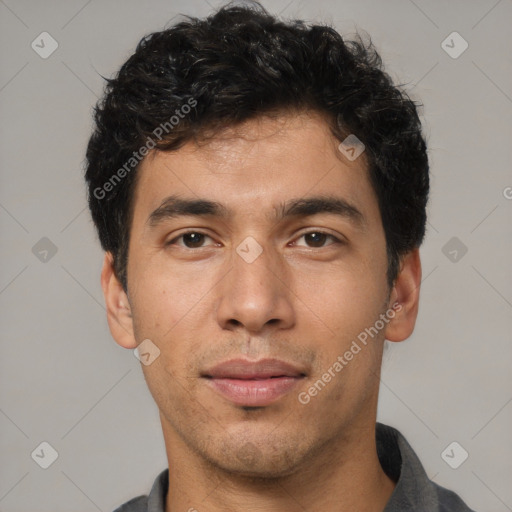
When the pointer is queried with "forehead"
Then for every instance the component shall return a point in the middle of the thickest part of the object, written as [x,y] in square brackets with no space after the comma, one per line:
[256,167]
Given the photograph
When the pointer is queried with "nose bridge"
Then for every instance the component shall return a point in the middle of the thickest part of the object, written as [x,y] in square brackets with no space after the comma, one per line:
[252,294]
[252,267]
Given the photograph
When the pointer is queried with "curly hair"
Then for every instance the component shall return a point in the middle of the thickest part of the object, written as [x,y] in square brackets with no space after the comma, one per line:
[237,64]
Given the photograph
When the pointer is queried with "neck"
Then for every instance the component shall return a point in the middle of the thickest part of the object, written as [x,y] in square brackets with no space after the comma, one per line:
[345,475]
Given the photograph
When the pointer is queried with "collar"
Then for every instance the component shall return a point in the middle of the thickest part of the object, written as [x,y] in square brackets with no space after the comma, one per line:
[413,491]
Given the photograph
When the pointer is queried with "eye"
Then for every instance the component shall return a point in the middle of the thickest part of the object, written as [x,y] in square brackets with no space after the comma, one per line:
[190,240]
[317,239]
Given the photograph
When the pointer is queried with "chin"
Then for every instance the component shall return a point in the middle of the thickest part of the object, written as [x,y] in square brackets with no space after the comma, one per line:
[260,459]
[258,470]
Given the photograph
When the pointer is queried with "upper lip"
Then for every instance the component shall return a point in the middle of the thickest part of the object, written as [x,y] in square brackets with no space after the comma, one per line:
[246,369]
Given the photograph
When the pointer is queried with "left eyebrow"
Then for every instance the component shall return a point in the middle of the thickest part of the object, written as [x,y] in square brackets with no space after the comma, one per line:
[305,207]
[174,206]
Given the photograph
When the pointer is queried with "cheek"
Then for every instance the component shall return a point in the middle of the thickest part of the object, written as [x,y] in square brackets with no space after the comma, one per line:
[172,309]
[345,301]
[165,299]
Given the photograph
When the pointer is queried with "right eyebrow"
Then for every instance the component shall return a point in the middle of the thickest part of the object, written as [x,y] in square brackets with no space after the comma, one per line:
[174,206]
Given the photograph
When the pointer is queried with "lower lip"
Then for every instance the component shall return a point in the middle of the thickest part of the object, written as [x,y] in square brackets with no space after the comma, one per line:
[252,392]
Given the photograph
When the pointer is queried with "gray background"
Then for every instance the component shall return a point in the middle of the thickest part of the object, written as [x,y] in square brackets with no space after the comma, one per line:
[63,379]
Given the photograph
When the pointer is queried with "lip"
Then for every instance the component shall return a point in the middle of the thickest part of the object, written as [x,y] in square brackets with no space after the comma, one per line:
[253,383]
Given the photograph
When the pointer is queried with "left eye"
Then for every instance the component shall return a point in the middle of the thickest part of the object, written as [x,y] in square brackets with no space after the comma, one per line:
[317,239]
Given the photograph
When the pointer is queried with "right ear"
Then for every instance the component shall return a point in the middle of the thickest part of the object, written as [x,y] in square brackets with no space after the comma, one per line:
[119,314]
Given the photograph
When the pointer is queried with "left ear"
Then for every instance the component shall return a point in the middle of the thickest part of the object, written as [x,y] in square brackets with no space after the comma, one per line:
[404,298]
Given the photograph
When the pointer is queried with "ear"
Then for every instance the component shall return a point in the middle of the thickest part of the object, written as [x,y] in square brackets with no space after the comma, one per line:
[404,298]
[119,315]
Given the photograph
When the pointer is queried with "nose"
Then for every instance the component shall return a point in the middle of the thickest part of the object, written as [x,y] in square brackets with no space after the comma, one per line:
[256,294]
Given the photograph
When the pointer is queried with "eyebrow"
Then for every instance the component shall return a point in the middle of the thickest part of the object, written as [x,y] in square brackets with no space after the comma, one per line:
[175,206]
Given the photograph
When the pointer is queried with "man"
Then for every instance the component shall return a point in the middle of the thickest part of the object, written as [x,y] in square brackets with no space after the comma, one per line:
[259,189]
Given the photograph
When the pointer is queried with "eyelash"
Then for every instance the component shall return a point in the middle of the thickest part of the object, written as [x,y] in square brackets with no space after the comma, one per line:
[317,232]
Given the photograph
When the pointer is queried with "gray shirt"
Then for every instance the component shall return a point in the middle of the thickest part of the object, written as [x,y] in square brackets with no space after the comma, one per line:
[413,492]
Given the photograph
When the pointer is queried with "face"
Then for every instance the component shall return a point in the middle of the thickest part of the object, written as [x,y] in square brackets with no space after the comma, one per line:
[256,259]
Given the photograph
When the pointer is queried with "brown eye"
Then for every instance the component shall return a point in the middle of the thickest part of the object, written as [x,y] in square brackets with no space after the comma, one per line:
[318,239]
[190,240]
[315,239]
[193,240]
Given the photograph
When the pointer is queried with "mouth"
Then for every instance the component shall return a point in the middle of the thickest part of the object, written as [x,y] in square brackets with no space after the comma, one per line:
[253,383]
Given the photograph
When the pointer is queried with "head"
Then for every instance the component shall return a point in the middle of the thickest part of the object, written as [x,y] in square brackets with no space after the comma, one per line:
[220,137]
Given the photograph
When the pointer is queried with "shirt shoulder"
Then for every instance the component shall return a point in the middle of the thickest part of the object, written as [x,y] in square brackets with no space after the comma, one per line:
[154,501]
[449,501]
[413,490]
[138,504]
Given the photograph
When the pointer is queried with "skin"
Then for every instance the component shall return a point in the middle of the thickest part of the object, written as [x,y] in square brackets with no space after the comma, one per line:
[303,300]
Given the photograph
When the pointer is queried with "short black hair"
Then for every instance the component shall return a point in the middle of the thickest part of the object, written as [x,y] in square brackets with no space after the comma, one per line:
[202,75]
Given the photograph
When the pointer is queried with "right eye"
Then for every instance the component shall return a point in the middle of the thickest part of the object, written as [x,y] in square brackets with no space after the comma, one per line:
[190,240]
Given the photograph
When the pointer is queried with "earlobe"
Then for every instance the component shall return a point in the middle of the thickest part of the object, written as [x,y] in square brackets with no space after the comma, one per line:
[404,298]
[119,315]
